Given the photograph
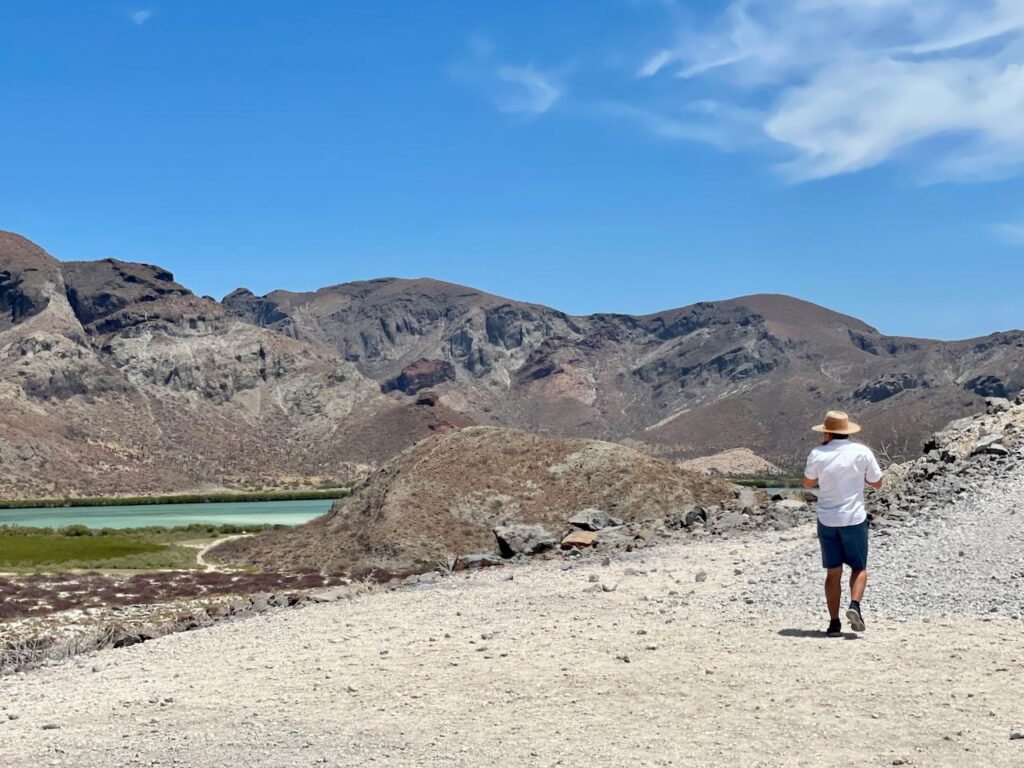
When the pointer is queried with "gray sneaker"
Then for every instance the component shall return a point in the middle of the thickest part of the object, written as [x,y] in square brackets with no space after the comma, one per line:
[855,619]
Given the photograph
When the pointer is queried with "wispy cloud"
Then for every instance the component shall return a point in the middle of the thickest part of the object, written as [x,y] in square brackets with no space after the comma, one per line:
[532,91]
[1011,232]
[140,16]
[846,85]
[514,89]
[723,126]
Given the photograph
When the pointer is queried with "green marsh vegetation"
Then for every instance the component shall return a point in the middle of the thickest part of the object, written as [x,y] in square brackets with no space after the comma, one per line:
[76,547]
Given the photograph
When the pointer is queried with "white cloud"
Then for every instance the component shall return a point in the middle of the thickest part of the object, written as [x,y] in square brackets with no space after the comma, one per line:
[532,92]
[140,17]
[723,126]
[514,89]
[846,85]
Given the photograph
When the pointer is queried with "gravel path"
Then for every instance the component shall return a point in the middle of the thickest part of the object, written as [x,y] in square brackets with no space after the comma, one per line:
[671,666]
[965,559]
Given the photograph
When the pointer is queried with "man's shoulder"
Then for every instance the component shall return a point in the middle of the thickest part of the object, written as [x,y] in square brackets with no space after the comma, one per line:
[817,452]
[861,448]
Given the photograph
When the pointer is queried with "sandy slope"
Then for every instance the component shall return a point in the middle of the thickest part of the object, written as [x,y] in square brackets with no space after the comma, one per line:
[481,670]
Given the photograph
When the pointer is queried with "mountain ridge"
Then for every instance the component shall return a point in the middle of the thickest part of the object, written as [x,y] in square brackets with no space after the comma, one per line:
[357,371]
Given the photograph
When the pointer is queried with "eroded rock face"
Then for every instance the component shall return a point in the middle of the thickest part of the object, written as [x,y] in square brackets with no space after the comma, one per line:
[887,386]
[752,372]
[420,375]
[29,278]
[116,379]
[99,289]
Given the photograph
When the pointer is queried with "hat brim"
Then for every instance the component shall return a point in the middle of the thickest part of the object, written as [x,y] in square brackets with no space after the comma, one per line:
[851,429]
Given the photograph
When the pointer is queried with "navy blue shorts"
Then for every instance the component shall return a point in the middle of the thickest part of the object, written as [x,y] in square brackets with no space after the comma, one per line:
[844,545]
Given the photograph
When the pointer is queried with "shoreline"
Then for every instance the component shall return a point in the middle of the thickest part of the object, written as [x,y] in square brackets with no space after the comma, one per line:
[218,497]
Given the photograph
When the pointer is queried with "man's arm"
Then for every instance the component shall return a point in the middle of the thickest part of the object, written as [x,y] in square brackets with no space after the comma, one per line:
[873,475]
[810,479]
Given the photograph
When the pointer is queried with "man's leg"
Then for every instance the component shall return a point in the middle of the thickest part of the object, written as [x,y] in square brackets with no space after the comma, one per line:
[858,580]
[855,553]
[834,590]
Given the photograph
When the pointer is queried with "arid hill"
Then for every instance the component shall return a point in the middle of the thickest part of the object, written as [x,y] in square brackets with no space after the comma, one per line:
[750,372]
[445,496]
[116,379]
[736,461]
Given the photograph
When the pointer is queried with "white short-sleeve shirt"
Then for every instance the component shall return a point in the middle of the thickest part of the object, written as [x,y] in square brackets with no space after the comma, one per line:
[841,469]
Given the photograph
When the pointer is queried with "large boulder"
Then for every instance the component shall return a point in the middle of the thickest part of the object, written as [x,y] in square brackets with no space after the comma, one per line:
[593,520]
[997,405]
[523,540]
[991,444]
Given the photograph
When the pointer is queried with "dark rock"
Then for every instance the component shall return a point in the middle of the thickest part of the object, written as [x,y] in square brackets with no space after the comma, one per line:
[421,374]
[97,290]
[886,386]
[696,516]
[986,386]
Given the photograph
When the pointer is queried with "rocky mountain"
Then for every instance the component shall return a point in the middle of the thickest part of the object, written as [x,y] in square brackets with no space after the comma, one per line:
[449,495]
[754,372]
[116,379]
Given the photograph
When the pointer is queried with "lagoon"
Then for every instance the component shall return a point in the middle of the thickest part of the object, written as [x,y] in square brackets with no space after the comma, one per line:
[137,516]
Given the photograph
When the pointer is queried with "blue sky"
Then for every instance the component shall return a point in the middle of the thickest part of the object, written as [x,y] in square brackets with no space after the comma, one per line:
[593,155]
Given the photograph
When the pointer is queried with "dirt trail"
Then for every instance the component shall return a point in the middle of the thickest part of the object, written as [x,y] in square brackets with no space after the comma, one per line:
[480,670]
[205,548]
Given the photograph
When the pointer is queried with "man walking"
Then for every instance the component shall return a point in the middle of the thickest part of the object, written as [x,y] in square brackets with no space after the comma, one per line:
[839,468]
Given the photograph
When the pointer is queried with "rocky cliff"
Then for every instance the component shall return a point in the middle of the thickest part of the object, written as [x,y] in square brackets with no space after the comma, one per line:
[114,378]
[753,372]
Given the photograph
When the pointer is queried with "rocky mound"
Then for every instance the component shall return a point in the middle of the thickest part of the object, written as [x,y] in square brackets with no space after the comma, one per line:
[735,461]
[957,462]
[447,496]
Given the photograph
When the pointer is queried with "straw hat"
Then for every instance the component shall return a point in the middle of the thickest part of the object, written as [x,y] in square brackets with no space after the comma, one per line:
[838,423]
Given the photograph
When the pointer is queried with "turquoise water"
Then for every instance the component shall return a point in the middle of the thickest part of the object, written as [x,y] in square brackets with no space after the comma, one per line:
[233,512]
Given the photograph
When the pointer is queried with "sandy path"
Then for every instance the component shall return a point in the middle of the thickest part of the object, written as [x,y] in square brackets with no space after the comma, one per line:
[204,548]
[409,679]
